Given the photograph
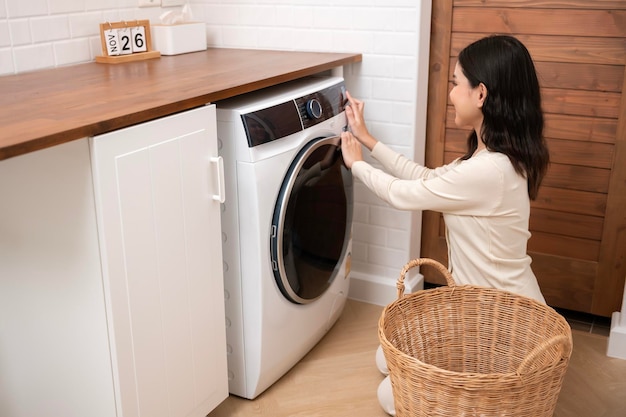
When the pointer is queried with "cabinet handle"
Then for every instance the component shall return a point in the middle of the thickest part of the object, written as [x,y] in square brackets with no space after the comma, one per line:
[220,179]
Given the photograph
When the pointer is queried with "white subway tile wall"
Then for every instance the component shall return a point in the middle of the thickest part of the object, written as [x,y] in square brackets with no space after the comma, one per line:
[39,34]
[392,35]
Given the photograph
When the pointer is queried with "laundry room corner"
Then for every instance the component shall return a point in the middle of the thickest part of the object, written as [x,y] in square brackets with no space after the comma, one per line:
[373,289]
[393,37]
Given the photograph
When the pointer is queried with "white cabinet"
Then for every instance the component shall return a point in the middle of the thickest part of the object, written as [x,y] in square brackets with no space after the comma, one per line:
[158,189]
[54,348]
[113,306]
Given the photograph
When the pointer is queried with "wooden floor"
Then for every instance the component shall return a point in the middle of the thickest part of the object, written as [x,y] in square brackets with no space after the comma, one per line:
[339,378]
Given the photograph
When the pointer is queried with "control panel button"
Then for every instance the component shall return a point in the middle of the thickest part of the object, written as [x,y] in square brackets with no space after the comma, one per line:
[314,108]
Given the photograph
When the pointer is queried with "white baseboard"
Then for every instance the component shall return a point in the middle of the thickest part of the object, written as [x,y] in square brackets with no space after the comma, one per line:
[380,291]
[617,337]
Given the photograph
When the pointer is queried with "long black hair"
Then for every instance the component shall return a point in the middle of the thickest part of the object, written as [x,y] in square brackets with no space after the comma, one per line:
[513,119]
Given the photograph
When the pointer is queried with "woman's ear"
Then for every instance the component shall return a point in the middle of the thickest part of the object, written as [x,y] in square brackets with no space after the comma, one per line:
[482,94]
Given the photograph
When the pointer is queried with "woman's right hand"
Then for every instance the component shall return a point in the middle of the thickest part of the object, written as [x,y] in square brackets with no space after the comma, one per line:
[356,121]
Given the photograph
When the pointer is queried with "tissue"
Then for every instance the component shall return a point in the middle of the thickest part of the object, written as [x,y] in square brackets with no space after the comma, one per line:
[172,17]
[178,33]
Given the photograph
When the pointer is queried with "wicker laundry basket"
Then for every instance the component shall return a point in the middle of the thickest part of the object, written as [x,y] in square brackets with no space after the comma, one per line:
[472,351]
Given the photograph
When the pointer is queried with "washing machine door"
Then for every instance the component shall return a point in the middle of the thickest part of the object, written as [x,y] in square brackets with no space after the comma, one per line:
[312,221]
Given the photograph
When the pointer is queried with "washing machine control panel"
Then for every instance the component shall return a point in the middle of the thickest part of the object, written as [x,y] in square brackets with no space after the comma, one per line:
[321,105]
[314,109]
[293,116]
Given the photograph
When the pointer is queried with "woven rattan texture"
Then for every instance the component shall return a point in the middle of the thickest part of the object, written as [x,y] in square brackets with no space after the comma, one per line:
[470,351]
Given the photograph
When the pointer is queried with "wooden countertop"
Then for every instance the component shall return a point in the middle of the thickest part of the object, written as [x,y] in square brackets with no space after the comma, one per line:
[49,107]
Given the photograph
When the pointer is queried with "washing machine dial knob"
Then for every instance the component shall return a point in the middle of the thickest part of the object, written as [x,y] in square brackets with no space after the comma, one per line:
[314,108]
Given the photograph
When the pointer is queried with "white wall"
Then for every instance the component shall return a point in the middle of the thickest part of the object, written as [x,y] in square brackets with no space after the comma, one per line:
[392,35]
[37,34]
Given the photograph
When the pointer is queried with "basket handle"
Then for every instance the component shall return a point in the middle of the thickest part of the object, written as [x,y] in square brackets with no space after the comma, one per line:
[561,339]
[423,261]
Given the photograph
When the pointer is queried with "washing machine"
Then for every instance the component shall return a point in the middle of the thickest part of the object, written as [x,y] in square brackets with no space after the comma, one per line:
[286,225]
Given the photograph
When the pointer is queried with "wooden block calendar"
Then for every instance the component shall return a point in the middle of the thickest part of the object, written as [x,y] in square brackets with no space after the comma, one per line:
[126,41]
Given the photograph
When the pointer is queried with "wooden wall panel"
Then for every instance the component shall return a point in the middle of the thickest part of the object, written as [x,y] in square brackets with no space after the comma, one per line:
[592,129]
[584,153]
[581,102]
[567,224]
[439,60]
[576,76]
[570,281]
[609,285]
[578,178]
[578,222]
[580,76]
[589,129]
[571,201]
[564,49]
[591,154]
[546,4]
[564,246]
[545,21]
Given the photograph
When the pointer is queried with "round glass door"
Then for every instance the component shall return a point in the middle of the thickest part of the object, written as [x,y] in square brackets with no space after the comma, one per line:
[312,221]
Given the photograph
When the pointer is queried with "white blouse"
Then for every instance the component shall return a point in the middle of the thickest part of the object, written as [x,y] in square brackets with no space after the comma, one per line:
[485,206]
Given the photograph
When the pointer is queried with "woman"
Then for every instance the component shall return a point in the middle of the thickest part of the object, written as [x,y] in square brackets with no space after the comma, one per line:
[484,195]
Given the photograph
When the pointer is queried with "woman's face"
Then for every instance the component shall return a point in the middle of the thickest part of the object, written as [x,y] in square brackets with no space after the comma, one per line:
[467,101]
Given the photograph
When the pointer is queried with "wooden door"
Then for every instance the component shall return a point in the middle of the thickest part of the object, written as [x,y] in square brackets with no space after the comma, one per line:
[578,222]
[160,235]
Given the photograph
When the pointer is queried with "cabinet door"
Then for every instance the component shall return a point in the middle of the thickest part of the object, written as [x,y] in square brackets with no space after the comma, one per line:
[157,196]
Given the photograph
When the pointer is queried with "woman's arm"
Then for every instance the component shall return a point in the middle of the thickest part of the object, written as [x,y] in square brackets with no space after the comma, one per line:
[470,187]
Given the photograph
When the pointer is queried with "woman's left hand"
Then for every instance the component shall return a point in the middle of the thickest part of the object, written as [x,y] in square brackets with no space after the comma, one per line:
[351,149]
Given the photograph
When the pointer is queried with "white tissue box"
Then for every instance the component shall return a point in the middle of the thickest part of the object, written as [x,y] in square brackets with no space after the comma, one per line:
[179,38]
